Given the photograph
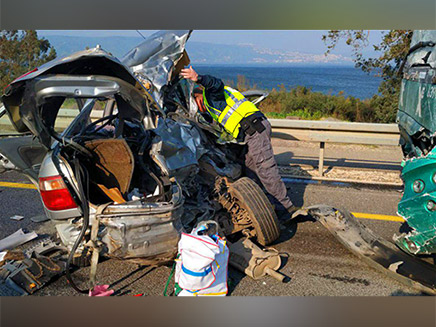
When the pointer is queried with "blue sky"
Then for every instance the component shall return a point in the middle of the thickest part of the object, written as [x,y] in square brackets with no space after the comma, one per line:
[305,41]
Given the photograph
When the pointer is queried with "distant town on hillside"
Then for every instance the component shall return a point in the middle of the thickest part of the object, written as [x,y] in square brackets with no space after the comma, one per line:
[200,52]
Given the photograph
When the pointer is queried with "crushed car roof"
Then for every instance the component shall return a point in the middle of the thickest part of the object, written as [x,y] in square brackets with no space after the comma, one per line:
[65,63]
[155,59]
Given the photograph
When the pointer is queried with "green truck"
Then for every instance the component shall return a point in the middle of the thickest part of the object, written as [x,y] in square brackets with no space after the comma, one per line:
[412,258]
[417,123]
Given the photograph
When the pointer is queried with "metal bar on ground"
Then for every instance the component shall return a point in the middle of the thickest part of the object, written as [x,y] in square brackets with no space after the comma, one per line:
[343,180]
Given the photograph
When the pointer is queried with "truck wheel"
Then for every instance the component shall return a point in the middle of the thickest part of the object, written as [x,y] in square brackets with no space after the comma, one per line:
[262,215]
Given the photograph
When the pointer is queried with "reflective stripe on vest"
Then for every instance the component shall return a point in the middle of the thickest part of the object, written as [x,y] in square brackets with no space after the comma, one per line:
[238,107]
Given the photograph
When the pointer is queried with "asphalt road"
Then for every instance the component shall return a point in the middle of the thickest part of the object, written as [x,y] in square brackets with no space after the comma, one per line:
[317,265]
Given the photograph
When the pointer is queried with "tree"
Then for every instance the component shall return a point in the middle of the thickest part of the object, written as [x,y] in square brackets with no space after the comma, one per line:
[20,52]
[392,49]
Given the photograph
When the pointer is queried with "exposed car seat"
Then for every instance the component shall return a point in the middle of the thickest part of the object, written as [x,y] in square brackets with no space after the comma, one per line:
[111,169]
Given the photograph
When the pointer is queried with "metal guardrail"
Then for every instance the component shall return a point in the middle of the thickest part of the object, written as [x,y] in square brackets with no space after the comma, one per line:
[321,132]
[65,117]
[335,132]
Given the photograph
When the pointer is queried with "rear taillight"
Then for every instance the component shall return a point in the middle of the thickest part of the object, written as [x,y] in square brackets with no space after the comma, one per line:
[54,194]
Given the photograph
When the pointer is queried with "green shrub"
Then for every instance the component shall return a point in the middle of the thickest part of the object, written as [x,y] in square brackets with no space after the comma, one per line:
[306,104]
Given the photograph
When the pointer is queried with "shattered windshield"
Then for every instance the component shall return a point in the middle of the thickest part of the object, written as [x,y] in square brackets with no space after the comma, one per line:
[418,90]
[417,56]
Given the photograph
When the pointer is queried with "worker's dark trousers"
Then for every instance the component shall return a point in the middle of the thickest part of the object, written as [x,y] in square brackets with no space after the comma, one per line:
[260,163]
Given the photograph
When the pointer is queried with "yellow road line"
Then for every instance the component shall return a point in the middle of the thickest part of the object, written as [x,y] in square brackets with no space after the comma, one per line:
[356,214]
[377,217]
[17,185]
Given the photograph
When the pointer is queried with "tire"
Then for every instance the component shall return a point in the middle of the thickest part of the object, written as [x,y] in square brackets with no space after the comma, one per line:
[263,217]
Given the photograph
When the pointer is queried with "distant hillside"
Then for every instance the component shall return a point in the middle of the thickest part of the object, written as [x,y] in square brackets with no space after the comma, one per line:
[199,52]
[117,45]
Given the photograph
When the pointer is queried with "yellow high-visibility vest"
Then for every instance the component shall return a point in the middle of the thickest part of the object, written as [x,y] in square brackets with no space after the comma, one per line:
[238,107]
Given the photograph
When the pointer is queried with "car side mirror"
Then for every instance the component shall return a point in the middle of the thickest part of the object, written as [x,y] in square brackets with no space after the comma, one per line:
[255,96]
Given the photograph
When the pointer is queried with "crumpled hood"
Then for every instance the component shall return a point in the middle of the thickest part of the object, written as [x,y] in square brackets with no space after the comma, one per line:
[154,59]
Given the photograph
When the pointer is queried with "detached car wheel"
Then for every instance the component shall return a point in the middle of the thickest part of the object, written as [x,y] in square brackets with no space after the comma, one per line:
[260,211]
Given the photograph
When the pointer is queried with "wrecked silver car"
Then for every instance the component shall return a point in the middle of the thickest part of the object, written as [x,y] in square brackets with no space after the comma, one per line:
[138,164]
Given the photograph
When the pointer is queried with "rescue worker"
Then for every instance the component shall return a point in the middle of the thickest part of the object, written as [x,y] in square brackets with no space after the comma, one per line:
[244,121]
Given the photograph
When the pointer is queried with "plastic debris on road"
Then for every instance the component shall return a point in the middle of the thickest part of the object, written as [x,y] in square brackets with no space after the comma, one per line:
[39,218]
[101,290]
[25,273]
[17,217]
[16,239]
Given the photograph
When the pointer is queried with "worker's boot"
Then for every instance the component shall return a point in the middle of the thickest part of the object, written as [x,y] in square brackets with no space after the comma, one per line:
[283,215]
[287,217]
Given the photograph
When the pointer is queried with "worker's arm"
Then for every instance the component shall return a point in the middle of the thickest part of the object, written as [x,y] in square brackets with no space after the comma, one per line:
[214,86]
[211,84]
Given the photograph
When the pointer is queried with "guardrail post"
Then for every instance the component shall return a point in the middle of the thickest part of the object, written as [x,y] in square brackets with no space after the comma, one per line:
[321,158]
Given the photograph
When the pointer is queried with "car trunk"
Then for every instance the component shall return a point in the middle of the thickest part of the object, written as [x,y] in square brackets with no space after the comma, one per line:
[142,221]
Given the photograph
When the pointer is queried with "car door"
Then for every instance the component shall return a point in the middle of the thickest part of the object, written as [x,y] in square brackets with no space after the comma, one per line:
[22,152]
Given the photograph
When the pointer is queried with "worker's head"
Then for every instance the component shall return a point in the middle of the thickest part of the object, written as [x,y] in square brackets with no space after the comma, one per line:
[198,96]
